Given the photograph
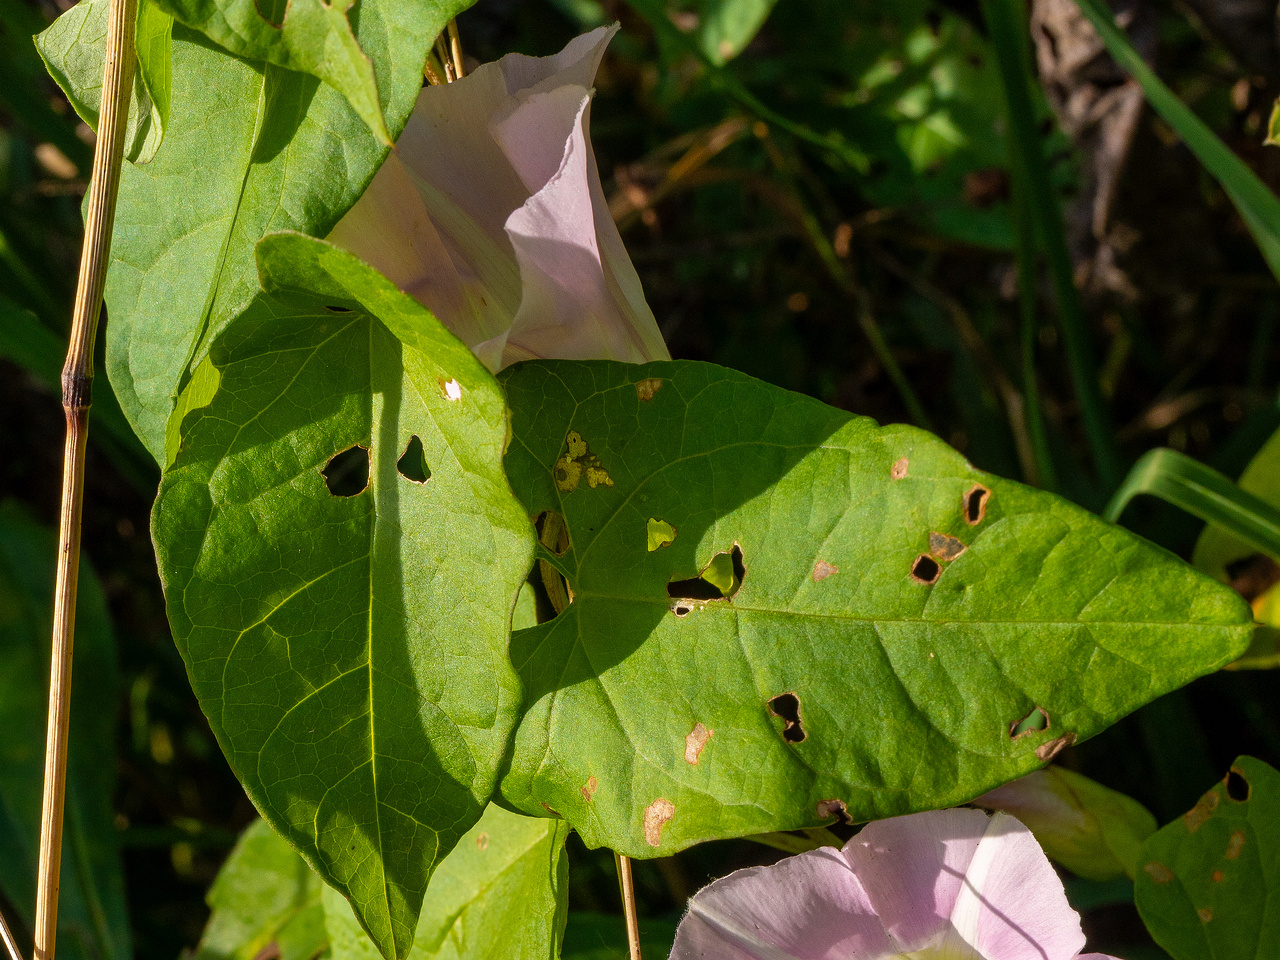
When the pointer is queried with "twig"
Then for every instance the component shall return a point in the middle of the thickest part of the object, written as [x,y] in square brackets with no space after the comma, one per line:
[77,385]
[455,51]
[10,945]
[629,904]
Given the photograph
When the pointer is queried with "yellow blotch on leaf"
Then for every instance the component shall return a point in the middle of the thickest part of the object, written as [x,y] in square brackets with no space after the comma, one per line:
[660,534]
[576,462]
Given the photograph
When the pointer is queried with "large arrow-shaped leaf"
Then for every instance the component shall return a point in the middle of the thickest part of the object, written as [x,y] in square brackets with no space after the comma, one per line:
[349,648]
[900,631]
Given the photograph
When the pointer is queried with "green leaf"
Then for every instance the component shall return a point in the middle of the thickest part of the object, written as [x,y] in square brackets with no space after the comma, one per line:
[377,66]
[265,894]
[93,923]
[1202,492]
[834,677]
[1208,889]
[250,149]
[499,895]
[349,650]
[721,29]
[1257,204]
[73,48]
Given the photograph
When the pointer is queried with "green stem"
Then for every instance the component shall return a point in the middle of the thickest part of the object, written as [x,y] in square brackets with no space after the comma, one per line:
[1046,475]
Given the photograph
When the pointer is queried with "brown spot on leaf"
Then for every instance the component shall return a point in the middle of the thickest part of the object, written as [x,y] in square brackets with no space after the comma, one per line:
[925,569]
[822,570]
[1158,872]
[975,504]
[1202,811]
[833,808]
[655,818]
[269,952]
[482,841]
[899,469]
[1235,845]
[550,811]
[645,389]
[1051,748]
[1217,876]
[1205,914]
[786,706]
[588,789]
[694,741]
[945,548]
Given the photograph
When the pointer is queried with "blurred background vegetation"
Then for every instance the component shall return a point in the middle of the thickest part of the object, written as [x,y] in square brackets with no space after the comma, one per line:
[825,204]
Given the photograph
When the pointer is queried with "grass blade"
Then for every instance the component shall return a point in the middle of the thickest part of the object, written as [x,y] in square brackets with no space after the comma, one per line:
[1202,492]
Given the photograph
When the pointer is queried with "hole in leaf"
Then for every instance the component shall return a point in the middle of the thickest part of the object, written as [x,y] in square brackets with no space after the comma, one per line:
[786,706]
[1033,722]
[1051,748]
[551,591]
[1238,788]
[412,464]
[659,533]
[553,532]
[334,309]
[719,580]
[272,11]
[1253,576]
[833,808]
[975,504]
[681,609]
[347,473]
[925,569]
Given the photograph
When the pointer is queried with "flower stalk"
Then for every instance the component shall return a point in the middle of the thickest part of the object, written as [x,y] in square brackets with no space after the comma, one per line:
[77,386]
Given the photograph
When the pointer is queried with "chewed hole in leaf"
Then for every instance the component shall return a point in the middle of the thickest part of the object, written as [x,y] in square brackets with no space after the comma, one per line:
[553,532]
[412,464]
[1238,787]
[833,808]
[719,580]
[925,569]
[975,504]
[1033,722]
[786,706]
[347,472]
[272,11]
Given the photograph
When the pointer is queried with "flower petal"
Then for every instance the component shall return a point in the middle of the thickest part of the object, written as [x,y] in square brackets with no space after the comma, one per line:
[807,907]
[580,298]
[913,869]
[1012,905]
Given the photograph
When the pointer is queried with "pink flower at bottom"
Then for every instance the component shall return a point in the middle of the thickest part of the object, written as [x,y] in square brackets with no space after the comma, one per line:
[944,885]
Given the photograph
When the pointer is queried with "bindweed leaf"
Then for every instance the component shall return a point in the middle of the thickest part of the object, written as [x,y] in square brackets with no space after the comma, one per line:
[73,48]
[250,148]
[896,619]
[93,923]
[265,895]
[346,631]
[375,60]
[500,894]
[1209,883]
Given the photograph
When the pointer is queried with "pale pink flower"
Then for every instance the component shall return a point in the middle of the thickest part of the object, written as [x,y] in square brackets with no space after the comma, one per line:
[490,212]
[945,885]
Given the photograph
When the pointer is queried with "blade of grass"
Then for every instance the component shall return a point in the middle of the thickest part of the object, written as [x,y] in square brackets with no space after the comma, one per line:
[1007,26]
[1203,492]
[1257,205]
[77,385]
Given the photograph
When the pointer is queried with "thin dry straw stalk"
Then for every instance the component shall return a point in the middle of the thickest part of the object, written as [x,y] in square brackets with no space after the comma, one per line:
[77,385]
